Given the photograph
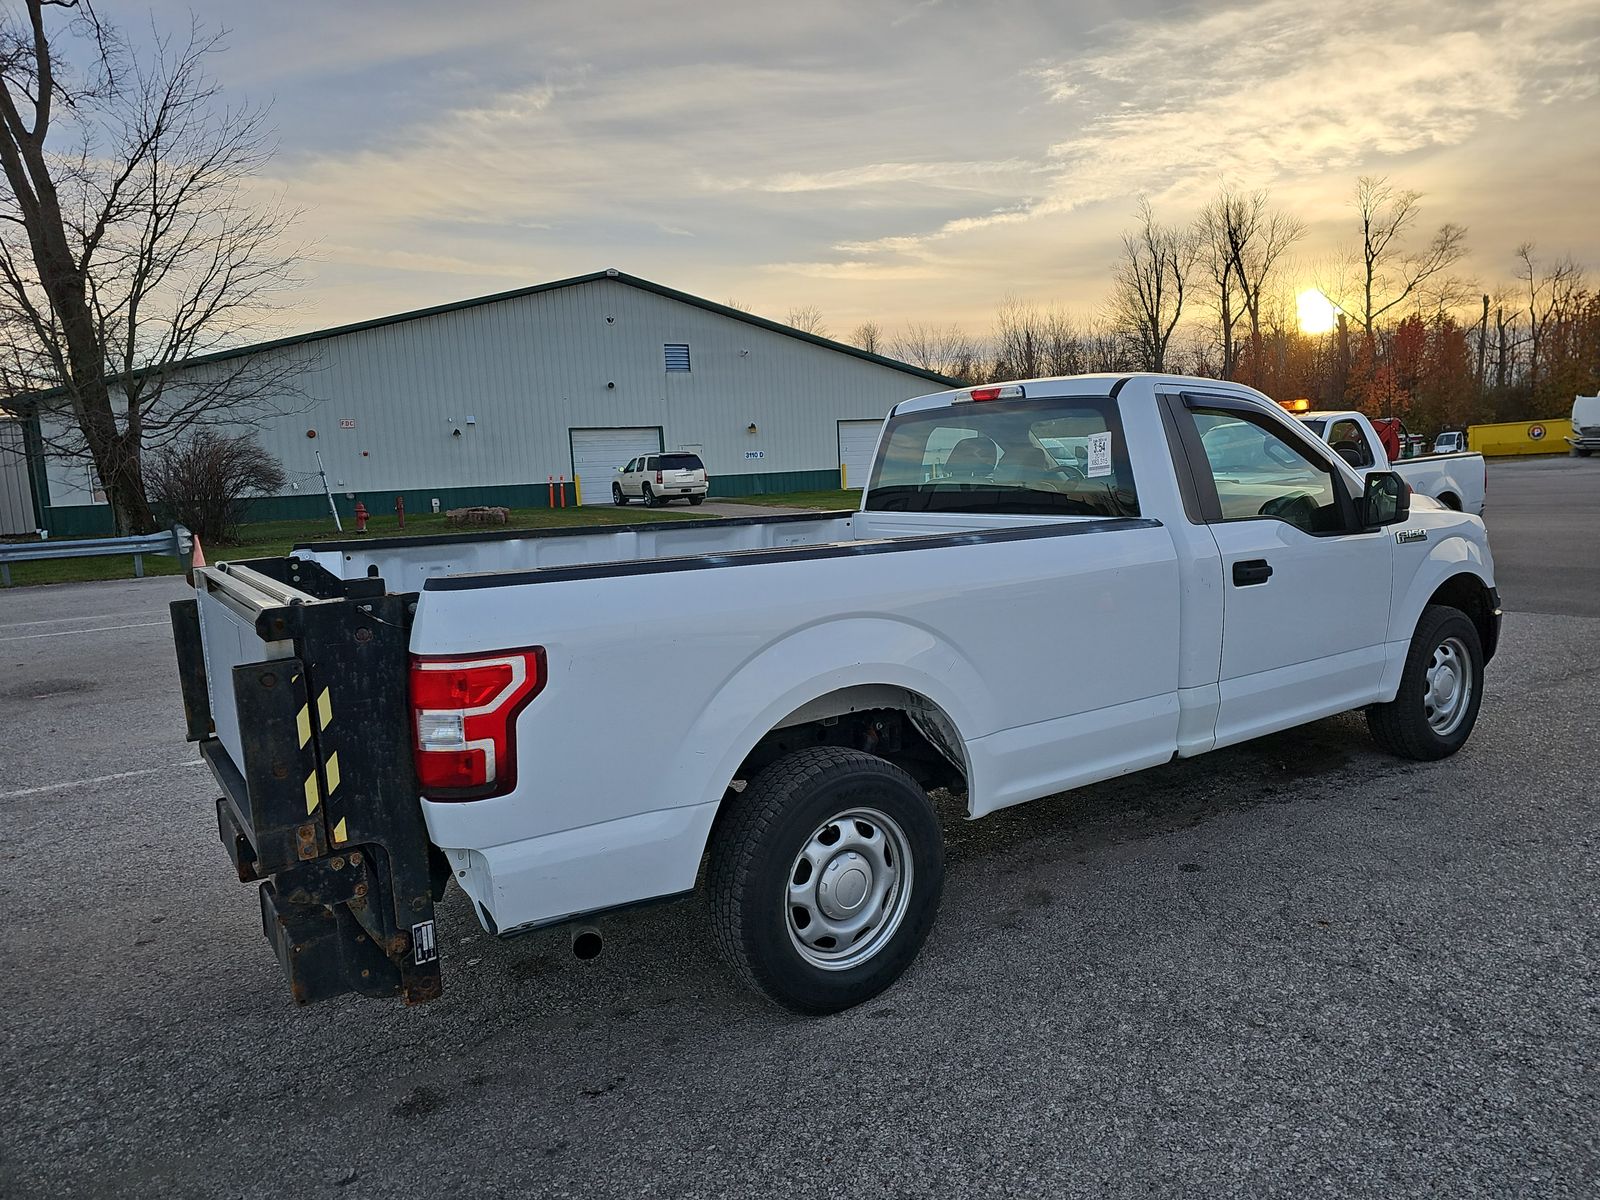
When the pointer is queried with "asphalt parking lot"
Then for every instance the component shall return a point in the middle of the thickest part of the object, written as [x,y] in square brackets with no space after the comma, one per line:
[1296,967]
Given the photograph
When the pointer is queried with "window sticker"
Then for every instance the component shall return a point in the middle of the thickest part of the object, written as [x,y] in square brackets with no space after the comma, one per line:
[1099,454]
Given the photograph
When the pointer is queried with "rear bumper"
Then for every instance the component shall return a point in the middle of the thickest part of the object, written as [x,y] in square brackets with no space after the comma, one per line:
[550,879]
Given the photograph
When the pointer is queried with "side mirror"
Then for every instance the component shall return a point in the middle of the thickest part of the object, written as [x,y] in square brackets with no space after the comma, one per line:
[1386,501]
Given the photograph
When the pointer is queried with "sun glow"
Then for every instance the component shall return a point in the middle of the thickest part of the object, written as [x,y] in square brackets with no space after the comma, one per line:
[1317,313]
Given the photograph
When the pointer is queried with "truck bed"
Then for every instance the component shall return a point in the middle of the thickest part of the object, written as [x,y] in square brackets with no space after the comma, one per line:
[406,563]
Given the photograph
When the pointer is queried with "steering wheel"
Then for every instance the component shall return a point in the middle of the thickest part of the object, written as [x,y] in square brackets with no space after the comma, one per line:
[1351,452]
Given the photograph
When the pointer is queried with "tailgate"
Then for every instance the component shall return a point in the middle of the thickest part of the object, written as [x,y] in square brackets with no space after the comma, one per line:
[295,687]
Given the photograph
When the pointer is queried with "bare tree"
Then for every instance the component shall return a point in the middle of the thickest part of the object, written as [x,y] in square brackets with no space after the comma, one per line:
[943,349]
[1222,285]
[1030,341]
[1150,285]
[127,243]
[807,318]
[1255,236]
[869,336]
[1386,274]
[1547,291]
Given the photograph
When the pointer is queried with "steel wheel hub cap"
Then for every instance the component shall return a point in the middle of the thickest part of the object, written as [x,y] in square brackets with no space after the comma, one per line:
[848,889]
[1447,687]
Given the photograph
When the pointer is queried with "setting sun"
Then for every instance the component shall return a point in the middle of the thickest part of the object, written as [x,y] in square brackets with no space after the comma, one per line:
[1317,313]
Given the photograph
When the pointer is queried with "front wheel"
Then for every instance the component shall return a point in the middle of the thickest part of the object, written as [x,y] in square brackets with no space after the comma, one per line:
[1433,713]
[825,878]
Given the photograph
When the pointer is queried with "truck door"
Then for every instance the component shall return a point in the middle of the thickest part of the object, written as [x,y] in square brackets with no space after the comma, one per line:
[1305,589]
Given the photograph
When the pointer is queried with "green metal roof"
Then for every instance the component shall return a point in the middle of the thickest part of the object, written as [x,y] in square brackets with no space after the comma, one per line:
[317,335]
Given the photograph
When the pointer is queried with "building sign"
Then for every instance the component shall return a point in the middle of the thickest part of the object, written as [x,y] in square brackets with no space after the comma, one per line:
[347,422]
[755,453]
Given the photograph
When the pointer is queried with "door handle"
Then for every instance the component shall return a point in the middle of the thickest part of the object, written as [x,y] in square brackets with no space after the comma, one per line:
[1251,571]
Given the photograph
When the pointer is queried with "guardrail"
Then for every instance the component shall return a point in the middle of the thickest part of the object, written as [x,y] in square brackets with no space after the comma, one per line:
[177,542]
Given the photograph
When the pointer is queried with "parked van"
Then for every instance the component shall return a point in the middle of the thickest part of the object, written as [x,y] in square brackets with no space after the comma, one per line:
[1585,425]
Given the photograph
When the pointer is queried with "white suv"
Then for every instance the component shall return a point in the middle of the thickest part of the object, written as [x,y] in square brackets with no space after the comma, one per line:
[657,478]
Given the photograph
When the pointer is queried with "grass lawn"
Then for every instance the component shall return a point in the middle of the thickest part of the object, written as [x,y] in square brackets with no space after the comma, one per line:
[832,499]
[270,538]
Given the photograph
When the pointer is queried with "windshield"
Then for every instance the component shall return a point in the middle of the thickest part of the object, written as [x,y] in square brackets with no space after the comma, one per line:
[1057,457]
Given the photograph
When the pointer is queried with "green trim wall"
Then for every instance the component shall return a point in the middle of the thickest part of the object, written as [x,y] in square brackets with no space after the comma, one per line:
[94,520]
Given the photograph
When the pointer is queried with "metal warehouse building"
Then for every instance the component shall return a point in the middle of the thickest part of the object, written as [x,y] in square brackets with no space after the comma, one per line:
[481,401]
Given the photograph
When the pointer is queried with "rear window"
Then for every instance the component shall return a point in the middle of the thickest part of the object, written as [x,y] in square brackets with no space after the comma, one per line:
[681,462]
[1061,457]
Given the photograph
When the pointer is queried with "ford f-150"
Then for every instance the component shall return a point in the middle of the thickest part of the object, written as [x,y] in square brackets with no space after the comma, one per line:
[1047,584]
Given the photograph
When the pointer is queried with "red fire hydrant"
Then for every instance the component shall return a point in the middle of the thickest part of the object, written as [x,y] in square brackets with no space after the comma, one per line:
[361,517]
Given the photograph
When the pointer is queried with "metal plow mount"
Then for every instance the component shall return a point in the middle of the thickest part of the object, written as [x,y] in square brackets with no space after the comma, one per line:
[323,809]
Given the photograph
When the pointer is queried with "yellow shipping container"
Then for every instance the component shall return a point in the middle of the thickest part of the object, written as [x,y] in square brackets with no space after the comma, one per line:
[1520,437]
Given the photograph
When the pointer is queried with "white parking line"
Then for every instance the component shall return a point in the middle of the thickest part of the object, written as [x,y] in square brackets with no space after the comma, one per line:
[77,783]
[23,637]
[91,617]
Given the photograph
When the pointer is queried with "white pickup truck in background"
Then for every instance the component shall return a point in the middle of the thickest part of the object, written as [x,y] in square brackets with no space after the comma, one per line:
[1456,480]
[1047,584]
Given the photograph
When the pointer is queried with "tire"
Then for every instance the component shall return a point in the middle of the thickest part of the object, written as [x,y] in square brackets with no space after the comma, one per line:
[697,500]
[650,500]
[1581,451]
[1420,723]
[824,816]
[617,497]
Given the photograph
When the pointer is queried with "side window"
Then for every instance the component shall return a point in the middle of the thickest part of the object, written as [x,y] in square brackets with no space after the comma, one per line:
[1260,473]
[1350,444]
[647,464]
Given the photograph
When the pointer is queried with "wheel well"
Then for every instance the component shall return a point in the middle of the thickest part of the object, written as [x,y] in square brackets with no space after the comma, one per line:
[893,723]
[1468,593]
[1450,500]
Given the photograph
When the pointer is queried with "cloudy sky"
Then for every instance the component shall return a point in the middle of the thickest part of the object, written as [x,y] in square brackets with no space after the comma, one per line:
[890,159]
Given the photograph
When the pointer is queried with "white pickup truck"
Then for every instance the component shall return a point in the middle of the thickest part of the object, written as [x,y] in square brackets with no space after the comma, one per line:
[1456,480]
[386,717]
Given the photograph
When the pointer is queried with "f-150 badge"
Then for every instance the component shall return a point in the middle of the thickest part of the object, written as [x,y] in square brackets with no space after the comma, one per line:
[1410,535]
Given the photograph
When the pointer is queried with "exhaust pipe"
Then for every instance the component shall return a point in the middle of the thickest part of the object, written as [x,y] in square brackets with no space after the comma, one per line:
[586,942]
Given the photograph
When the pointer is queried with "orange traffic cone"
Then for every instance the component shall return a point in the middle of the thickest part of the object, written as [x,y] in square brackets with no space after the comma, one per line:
[197,558]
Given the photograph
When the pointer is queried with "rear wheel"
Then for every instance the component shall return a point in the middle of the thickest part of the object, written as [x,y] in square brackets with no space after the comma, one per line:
[825,878]
[1432,715]
[650,500]
[697,499]
[617,497]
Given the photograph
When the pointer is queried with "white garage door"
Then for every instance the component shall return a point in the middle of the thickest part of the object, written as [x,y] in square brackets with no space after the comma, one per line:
[857,441]
[597,453]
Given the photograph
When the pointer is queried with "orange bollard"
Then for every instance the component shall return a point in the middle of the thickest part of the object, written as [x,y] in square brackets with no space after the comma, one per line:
[551,480]
[563,481]
[400,511]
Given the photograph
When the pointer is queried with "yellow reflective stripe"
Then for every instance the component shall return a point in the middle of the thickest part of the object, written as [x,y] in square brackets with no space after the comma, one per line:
[339,831]
[302,723]
[324,709]
[312,796]
[333,772]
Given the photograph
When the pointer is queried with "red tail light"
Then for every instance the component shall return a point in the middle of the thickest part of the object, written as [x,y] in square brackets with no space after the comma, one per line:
[658,476]
[464,715]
